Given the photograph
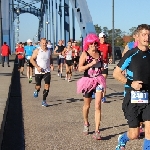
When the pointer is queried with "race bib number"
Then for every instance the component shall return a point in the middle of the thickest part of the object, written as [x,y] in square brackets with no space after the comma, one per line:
[43,71]
[105,66]
[28,57]
[139,97]
[60,56]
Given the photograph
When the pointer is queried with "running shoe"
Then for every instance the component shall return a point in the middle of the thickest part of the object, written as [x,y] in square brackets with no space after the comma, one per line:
[58,74]
[86,129]
[66,78]
[44,104]
[35,94]
[69,80]
[121,145]
[97,135]
[30,80]
[103,100]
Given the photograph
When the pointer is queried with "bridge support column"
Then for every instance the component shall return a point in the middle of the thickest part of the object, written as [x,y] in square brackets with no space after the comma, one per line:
[56,20]
[73,25]
[6,21]
[53,28]
[66,21]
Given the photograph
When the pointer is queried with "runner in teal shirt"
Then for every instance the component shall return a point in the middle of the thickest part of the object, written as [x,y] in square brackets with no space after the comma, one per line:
[28,53]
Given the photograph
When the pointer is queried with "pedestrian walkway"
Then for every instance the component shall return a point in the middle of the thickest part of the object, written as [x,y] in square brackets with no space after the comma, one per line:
[59,126]
[5,84]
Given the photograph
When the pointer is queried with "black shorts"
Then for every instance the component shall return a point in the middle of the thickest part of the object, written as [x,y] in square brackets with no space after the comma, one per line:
[28,63]
[105,71]
[135,112]
[69,62]
[39,77]
[76,59]
[21,63]
[89,94]
[60,60]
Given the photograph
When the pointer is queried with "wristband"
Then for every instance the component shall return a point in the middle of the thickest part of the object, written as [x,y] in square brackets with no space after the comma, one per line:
[129,82]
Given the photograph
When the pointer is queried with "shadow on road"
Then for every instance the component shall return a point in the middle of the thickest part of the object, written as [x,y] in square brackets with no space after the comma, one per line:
[13,137]
[116,94]
[71,100]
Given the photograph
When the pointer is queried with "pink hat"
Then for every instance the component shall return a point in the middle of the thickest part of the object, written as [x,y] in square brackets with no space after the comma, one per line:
[90,38]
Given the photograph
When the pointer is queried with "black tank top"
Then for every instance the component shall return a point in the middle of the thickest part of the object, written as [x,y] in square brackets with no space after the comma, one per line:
[95,70]
[60,48]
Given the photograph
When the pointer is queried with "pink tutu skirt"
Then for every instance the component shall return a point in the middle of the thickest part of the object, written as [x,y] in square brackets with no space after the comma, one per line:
[86,84]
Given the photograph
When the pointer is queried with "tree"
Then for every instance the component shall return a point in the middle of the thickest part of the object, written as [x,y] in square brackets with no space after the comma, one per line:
[118,39]
[105,30]
[132,30]
[79,43]
[97,29]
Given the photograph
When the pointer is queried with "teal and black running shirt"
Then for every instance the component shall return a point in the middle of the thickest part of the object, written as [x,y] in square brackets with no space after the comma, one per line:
[137,65]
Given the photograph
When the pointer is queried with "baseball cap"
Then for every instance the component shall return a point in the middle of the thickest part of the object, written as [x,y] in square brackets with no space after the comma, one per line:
[28,41]
[102,34]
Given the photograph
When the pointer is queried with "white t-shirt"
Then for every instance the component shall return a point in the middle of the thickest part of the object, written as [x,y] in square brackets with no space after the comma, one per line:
[43,61]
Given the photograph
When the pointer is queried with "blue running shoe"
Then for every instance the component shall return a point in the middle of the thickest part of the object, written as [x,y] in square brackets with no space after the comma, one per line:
[35,94]
[93,96]
[103,100]
[44,104]
[121,145]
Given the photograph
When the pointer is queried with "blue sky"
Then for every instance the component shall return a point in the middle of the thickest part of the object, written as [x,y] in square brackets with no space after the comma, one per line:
[128,13]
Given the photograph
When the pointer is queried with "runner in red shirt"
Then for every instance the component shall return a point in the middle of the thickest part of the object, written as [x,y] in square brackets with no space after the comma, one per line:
[76,53]
[106,49]
[20,53]
[5,52]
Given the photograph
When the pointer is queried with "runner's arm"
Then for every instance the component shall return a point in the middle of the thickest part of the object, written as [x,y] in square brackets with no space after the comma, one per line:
[33,57]
[117,74]
[125,50]
[51,60]
[17,52]
[55,53]
[121,66]
[64,51]
[110,52]
[82,60]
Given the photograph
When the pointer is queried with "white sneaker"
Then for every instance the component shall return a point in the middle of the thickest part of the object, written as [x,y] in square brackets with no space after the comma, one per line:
[69,80]
[58,74]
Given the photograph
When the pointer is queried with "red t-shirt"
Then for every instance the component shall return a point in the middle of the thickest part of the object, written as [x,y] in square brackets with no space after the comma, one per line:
[77,50]
[106,49]
[5,51]
[21,54]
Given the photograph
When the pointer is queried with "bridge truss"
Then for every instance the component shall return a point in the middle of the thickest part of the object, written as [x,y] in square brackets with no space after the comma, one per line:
[56,18]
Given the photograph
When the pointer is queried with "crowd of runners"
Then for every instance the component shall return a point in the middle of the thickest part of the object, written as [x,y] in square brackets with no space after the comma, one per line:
[132,70]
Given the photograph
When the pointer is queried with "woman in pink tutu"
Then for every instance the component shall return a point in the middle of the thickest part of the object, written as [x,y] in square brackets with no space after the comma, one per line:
[93,81]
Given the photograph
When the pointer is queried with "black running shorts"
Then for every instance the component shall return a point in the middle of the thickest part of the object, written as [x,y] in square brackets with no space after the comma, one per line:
[28,63]
[39,77]
[20,63]
[69,62]
[135,112]
[105,71]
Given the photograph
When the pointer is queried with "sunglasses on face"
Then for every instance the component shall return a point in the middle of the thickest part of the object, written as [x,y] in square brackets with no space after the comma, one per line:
[95,43]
